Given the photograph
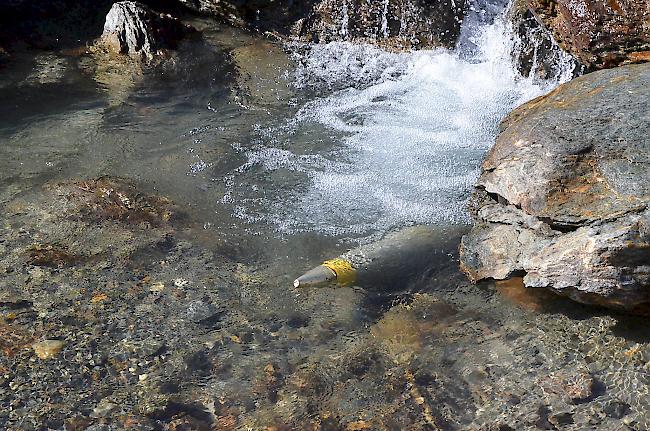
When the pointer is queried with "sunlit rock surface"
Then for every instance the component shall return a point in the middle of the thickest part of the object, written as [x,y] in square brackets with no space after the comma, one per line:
[133,29]
[564,193]
[600,33]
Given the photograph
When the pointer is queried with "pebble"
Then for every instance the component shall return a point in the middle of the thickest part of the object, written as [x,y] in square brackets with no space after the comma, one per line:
[181,282]
[47,349]
[104,408]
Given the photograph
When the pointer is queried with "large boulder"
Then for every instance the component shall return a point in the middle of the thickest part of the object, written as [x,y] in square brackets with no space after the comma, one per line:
[399,23]
[132,28]
[563,195]
[600,33]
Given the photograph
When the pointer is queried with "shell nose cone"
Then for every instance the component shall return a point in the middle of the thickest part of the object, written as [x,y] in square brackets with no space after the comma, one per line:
[318,276]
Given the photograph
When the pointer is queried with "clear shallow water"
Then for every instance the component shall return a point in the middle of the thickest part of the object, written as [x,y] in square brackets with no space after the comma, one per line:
[281,160]
[396,138]
[338,140]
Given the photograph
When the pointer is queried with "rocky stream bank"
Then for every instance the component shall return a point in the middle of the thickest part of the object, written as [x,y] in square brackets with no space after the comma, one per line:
[120,309]
[563,197]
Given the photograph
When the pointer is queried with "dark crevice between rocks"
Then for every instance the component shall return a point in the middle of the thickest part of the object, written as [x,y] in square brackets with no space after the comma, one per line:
[213,321]
[21,304]
[559,227]
[499,199]
[617,409]
[635,255]
[517,273]
[543,422]
[586,149]
[553,224]
[598,389]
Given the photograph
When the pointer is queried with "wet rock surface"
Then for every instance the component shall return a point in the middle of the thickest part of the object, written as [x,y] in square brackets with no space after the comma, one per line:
[138,41]
[263,15]
[397,23]
[564,194]
[393,23]
[536,53]
[601,33]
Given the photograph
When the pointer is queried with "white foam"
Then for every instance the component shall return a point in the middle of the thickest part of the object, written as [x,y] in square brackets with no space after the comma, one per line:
[407,137]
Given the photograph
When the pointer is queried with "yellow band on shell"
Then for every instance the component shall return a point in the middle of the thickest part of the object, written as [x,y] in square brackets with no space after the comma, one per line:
[346,275]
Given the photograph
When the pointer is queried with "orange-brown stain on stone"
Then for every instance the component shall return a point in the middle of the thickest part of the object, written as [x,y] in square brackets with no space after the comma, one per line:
[639,56]
[529,299]
[616,7]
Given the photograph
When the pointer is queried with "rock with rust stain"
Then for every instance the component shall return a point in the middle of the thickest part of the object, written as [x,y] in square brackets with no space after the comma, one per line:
[564,193]
[535,52]
[52,256]
[575,385]
[13,338]
[600,33]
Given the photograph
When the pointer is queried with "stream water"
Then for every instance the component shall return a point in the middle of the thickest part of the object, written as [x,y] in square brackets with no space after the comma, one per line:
[280,157]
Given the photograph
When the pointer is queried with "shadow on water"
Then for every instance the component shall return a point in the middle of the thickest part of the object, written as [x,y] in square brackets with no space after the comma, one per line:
[36,85]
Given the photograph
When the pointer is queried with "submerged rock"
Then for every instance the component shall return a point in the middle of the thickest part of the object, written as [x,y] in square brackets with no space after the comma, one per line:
[133,29]
[48,349]
[564,193]
[535,51]
[600,33]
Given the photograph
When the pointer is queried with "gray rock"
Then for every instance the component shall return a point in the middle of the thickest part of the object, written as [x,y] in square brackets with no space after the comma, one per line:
[263,15]
[204,312]
[133,29]
[570,180]
[104,408]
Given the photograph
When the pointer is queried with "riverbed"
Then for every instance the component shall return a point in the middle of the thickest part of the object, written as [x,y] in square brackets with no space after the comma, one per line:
[154,224]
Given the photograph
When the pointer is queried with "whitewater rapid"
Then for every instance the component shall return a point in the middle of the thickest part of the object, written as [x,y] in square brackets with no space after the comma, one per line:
[398,137]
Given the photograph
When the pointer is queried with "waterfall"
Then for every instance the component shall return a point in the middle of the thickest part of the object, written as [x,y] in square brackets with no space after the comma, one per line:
[384,20]
[345,18]
[392,139]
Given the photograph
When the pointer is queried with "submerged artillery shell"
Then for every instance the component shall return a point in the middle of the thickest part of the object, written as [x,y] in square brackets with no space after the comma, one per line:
[392,261]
